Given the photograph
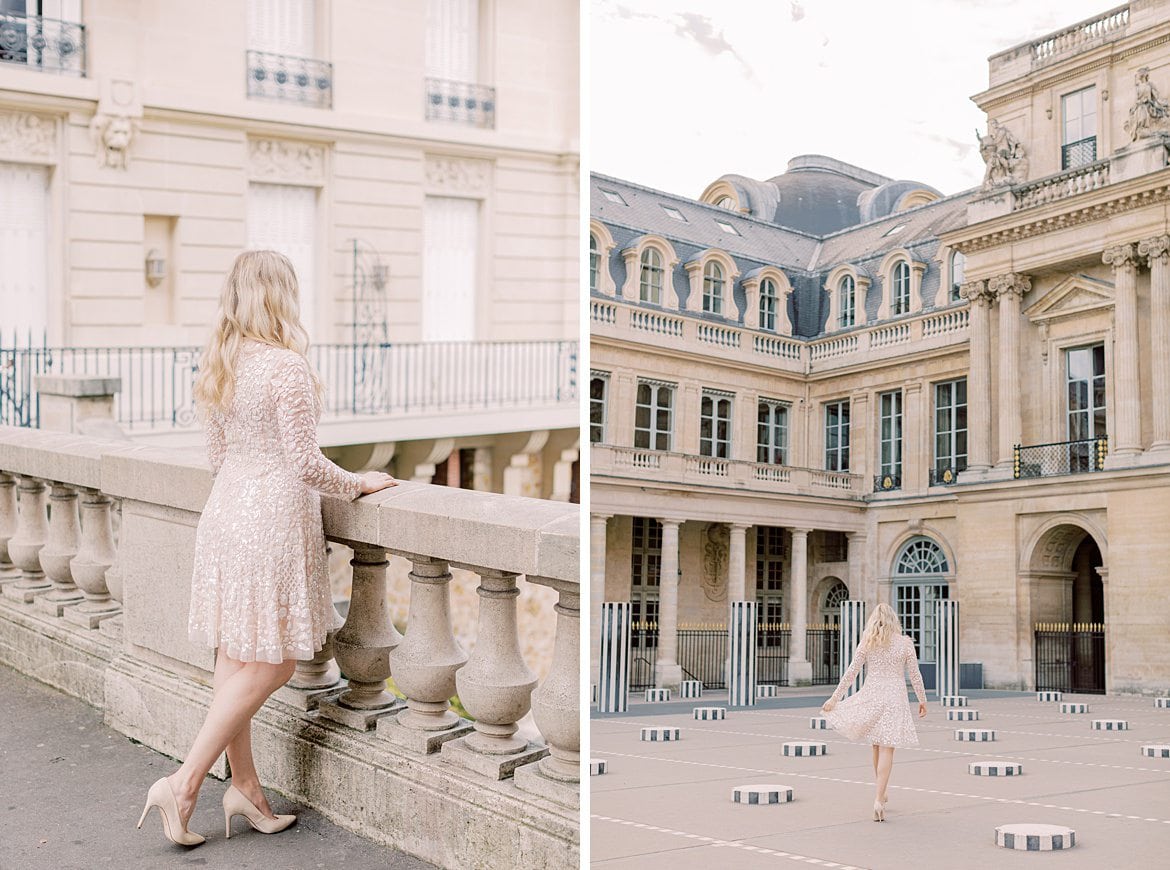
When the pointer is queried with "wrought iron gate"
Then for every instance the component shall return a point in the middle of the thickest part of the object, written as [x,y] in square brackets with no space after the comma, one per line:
[643,654]
[1070,657]
[702,653]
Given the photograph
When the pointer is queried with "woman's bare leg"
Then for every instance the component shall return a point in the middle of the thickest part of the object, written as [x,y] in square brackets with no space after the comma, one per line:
[885,765]
[239,748]
[875,761]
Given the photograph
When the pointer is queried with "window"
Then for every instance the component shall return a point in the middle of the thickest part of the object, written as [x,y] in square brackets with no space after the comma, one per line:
[920,581]
[772,432]
[890,439]
[713,288]
[645,571]
[837,436]
[652,415]
[1085,378]
[283,217]
[845,302]
[727,228]
[834,547]
[894,230]
[450,268]
[612,195]
[650,285]
[768,305]
[950,428]
[24,252]
[594,263]
[725,202]
[282,47]
[958,270]
[770,581]
[43,35]
[900,303]
[715,425]
[838,594]
[285,27]
[1078,112]
[674,213]
[598,388]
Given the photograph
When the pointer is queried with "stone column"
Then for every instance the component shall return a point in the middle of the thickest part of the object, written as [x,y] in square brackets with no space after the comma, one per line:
[59,550]
[979,378]
[860,442]
[523,476]
[481,470]
[737,563]
[858,587]
[915,454]
[93,560]
[1126,441]
[1009,289]
[667,672]
[9,573]
[799,667]
[1157,251]
[598,524]
[32,530]
[562,489]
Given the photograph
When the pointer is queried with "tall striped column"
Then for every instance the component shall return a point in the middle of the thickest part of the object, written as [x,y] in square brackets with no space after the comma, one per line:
[852,627]
[946,650]
[741,641]
[613,673]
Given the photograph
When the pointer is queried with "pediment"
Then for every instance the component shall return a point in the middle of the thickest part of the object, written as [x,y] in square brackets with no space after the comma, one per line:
[1074,295]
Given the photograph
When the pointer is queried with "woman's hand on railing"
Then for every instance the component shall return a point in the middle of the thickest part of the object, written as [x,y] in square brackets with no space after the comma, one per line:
[373,481]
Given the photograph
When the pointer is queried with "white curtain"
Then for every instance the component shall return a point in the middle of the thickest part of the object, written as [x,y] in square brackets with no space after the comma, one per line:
[452,43]
[283,217]
[450,268]
[282,27]
[24,214]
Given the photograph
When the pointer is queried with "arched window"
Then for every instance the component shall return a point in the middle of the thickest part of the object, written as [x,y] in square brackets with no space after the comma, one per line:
[921,556]
[594,263]
[651,280]
[900,304]
[725,202]
[920,580]
[768,305]
[958,270]
[845,302]
[831,610]
[713,288]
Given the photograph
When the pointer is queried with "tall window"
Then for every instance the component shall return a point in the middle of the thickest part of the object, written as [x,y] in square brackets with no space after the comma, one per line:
[950,427]
[450,268]
[598,388]
[715,425]
[285,27]
[594,263]
[900,304]
[837,436]
[283,217]
[772,432]
[652,415]
[1078,112]
[650,284]
[24,252]
[645,569]
[1085,377]
[845,302]
[890,431]
[920,580]
[713,288]
[768,305]
[770,578]
[958,271]
[452,40]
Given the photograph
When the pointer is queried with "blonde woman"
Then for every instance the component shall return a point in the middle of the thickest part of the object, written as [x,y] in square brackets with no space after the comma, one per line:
[260,587]
[878,713]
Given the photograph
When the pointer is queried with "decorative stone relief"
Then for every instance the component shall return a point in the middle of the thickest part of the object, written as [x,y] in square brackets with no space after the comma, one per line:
[1008,284]
[1148,115]
[28,137]
[716,547]
[976,292]
[1121,256]
[284,161]
[1004,156]
[460,175]
[112,135]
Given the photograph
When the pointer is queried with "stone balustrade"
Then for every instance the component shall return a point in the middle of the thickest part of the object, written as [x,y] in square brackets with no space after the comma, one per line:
[1062,185]
[106,620]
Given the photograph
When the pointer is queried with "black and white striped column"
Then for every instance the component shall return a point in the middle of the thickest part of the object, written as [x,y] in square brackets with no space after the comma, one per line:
[613,674]
[946,648]
[741,641]
[852,627]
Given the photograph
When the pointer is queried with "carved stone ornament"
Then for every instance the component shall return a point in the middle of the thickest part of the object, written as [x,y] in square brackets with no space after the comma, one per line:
[976,292]
[1149,115]
[716,546]
[1153,248]
[281,160]
[28,137]
[458,175]
[1009,284]
[1120,256]
[1004,156]
[112,135]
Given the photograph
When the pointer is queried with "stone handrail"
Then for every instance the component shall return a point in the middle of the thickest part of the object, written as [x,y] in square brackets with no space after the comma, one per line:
[1076,36]
[1082,179]
[473,779]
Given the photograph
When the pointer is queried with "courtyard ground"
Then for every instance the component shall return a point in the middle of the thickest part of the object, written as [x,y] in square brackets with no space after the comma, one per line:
[669,804]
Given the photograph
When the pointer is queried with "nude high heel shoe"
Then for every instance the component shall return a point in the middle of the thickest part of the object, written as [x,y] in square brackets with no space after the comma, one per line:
[161,795]
[235,804]
[879,811]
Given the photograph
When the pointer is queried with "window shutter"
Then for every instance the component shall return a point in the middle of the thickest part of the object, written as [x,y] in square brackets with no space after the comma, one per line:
[283,218]
[24,302]
[450,268]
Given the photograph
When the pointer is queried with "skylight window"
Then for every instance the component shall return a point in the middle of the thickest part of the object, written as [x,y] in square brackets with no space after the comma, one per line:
[674,213]
[727,228]
[893,231]
[612,195]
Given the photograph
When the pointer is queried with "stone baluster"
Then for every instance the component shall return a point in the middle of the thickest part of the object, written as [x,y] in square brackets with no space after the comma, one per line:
[9,573]
[425,663]
[363,645]
[112,627]
[1009,289]
[1157,250]
[32,530]
[59,550]
[93,560]
[556,705]
[495,686]
[1126,389]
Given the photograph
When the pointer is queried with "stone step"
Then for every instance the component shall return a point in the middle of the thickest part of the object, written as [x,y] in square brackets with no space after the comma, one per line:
[962,715]
[1049,696]
[660,735]
[954,700]
[819,722]
[1110,725]
[709,712]
[1035,837]
[690,689]
[995,768]
[655,696]
[597,767]
[1156,750]
[762,794]
[1074,707]
[766,691]
[804,748]
[1162,703]
[978,735]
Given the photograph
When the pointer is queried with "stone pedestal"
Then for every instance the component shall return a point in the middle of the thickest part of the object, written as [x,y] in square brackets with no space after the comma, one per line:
[67,400]
[1139,158]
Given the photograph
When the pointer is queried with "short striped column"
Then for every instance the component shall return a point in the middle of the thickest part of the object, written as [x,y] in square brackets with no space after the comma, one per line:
[709,713]
[1110,725]
[1162,703]
[597,767]
[946,647]
[1156,750]
[1074,707]
[995,768]
[818,723]
[613,676]
[741,640]
[852,627]
[954,700]
[1035,837]
[660,735]
[655,696]
[804,748]
[766,691]
[1049,696]
[690,689]
[962,714]
[976,735]
[761,794]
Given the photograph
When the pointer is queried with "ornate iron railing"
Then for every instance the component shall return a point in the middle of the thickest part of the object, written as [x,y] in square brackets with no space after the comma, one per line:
[944,476]
[291,79]
[462,102]
[42,43]
[1060,457]
[1070,657]
[1079,153]
[887,482]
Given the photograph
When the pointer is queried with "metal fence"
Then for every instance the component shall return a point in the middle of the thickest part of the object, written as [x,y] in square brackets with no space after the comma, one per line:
[1078,153]
[823,645]
[772,642]
[1059,457]
[1070,657]
[462,102]
[290,79]
[643,654]
[41,43]
[702,654]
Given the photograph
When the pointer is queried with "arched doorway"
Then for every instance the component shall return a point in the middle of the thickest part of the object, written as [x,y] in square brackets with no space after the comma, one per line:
[827,663]
[922,575]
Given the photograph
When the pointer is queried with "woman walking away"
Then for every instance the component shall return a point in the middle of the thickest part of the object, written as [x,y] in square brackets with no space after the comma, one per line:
[878,713]
[260,589]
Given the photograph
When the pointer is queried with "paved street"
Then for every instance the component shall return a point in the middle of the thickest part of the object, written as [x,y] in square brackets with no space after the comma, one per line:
[669,804]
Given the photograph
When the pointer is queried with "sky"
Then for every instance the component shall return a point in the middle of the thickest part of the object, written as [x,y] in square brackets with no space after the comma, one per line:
[683,91]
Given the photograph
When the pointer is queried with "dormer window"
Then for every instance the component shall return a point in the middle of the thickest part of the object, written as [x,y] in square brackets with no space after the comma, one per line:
[725,202]
[894,230]
[612,195]
[768,305]
[674,213]
[713,288]
[845,296]
[1078,112]
[650,285]
[958,268]
[900,302]
[727,228]
[594,263]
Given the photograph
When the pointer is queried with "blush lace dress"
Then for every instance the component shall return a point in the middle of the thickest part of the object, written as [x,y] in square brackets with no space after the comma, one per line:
[260,585]
[879,711]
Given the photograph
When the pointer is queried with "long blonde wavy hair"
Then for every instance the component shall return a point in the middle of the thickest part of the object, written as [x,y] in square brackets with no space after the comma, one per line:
[259,300]
[881,628]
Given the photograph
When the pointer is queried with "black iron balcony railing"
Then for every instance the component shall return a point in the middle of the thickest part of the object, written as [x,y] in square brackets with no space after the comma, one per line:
[462,102]
[887,482]
[44,44]
[944,476]
[1061,457]
[1078,153]
[291,79]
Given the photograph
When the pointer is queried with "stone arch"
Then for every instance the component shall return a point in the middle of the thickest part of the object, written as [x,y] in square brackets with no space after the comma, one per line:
[920,530]
[828,590]
[1050,549]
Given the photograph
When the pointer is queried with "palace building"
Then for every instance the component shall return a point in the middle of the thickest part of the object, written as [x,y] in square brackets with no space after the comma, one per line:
[834,385]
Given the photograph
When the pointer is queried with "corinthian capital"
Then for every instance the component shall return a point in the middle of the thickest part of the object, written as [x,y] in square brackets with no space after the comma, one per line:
[1009,284]
[1121,256]
[975,292]
[1155,247]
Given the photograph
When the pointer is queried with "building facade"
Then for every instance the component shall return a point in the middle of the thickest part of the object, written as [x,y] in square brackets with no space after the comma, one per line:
[833,385]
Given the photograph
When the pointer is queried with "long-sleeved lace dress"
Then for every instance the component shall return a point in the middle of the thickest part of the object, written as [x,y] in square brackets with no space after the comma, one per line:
[879,712]
[260,585]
